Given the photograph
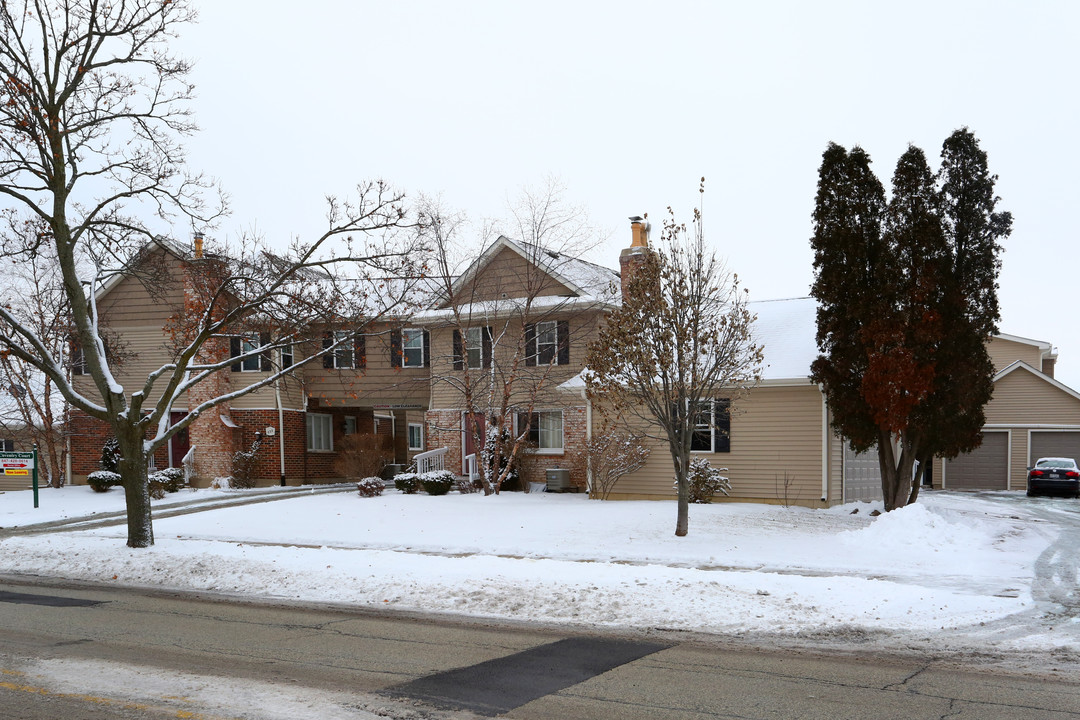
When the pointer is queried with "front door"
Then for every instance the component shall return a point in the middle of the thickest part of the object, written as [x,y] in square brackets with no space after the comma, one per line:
[473,428]
[180,443]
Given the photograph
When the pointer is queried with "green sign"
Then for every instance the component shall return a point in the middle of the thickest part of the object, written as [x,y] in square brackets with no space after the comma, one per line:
[21,463]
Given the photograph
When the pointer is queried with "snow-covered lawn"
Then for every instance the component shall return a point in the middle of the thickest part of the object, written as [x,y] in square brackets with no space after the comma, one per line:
[994,573]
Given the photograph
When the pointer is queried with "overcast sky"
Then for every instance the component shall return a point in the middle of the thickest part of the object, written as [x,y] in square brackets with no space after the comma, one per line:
[629,104]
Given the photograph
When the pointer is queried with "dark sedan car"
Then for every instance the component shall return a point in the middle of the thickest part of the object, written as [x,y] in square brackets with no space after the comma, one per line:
[1054,476]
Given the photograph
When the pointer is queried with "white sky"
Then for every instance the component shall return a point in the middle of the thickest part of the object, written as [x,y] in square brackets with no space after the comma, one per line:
[630,103]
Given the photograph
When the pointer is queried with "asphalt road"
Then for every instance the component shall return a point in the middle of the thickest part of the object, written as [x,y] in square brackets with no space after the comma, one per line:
[117,653]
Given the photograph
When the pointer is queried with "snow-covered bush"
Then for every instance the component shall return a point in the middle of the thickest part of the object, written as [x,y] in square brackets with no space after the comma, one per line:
[408,483]
[169,480]
[705,481]
[110,456]
[370,487]
[437,482]
[102,480]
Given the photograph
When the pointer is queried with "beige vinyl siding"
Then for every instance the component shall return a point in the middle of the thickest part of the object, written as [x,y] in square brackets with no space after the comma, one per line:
[508,274]
[1023,398]
[379,383]
[130,304]
[1004,353]
[446,383]
[775,429]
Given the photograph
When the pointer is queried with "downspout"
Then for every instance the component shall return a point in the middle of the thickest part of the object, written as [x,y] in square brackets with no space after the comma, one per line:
[281,428]
[824,447]
[588,440]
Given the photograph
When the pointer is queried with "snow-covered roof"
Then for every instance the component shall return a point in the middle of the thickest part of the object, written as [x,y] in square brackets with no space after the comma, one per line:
[787,330]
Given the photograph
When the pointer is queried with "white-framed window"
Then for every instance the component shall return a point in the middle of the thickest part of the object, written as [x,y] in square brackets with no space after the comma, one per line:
[474,355]
[320,432]
[547,342]
[7,445]
[712,427]
[286,356]
[412,348]
[249,342]
[343,354]
[350,424]
[416,436]
[545,430]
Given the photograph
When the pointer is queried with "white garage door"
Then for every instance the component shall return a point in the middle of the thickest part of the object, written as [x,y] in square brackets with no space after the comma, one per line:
[985,468]
[862,475]
[1054,444]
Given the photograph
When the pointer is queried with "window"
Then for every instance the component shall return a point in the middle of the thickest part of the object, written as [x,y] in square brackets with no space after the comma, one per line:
[78,360]
[416,436]
[475,347]
[712,427]
[249,343]
[412,348]
[286,356]
[545,430]
[350,424]
[547,343]
[7,445]
[320,432]
[341,357]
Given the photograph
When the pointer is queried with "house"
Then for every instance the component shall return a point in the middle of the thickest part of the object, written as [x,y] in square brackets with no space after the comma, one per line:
[510,335]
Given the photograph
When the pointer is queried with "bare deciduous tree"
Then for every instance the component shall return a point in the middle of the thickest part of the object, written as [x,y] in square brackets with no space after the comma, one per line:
[93,106]
[680,341]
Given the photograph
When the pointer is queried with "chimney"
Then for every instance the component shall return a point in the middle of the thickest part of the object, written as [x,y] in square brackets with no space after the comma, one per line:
[634,256]
[198,245]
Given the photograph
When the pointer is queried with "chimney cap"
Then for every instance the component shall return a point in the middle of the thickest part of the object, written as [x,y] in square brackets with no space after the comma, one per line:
[636,218]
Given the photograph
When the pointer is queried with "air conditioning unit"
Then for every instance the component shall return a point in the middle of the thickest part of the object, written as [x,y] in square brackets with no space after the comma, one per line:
[558,480]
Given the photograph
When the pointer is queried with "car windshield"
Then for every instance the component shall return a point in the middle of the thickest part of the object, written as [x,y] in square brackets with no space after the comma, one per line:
[1065,463]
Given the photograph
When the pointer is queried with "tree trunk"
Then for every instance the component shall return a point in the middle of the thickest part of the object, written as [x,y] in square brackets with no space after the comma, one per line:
[682,471]
[133,473]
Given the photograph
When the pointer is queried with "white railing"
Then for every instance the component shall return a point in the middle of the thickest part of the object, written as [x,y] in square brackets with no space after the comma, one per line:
[189,465]
[472,467]
[431,460]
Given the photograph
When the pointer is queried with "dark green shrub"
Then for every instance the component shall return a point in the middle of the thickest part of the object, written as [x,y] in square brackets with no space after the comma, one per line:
[169,480]
[437,482]
[110,456]
[408,483]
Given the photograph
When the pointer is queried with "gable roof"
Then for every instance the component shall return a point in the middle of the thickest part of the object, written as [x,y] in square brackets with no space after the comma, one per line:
[584,279]
[1020,365]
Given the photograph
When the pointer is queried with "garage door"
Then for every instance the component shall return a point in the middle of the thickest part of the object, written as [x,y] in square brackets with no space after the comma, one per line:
[862,475]
[1054,444]
[986,468]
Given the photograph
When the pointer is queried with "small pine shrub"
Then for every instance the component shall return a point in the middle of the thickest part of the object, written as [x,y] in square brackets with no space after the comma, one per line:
[110,456]
[102,480]
[408,483]
[370,487]
[437,482]
[705,481]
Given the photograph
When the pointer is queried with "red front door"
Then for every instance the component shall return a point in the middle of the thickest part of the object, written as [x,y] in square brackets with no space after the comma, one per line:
[180,443]
[473,427]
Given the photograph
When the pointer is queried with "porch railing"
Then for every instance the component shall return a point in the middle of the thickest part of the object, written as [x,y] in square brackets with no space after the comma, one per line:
[431,460]
[472,467]
[189,465]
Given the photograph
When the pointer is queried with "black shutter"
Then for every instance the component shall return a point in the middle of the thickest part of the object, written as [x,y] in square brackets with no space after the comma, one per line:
[562,334]
[328,358]
[722,424]
[264,359]
[459,362]
[530,344]
[234,351]
[360,352]
[395,348]
[427,349]
[486,352]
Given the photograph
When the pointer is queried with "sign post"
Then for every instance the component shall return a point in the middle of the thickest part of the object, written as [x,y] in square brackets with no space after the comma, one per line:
[35,476]
[21,463]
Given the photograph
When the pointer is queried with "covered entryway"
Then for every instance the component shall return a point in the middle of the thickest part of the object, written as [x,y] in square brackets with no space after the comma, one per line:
[985,468]
[1053,443]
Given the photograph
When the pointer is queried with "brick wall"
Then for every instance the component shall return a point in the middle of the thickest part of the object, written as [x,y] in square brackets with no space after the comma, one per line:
[442,428]
[88,436]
